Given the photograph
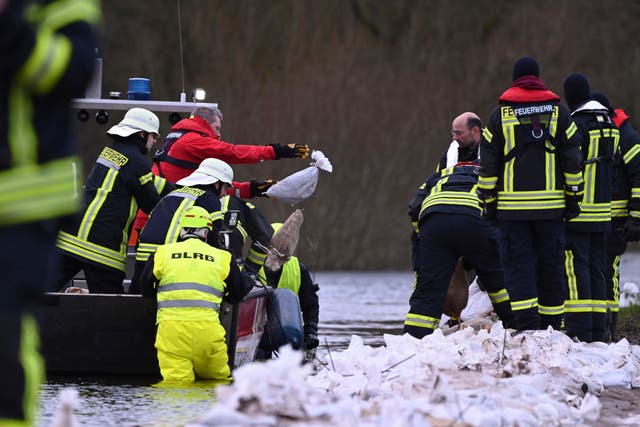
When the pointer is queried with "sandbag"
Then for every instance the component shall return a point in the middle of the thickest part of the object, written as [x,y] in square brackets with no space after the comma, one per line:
[300,185]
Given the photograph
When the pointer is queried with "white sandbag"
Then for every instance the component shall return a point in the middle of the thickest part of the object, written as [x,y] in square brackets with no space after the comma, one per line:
[300,185]
[478,305]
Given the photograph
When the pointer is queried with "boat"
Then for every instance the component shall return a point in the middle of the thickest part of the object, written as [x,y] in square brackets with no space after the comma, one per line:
[113,334]
[107,334]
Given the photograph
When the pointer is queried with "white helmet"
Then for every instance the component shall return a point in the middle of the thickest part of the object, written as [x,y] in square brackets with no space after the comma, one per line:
[210,171]
[136,120]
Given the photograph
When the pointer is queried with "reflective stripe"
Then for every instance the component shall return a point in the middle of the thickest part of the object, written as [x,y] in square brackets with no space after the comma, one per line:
[144,250]
[256,256]
[420,321]
[572,281]
[487,135]
[38,192]
[614,305]
[146,178]
[629,155]
[46,64]
[91,251]
[578,306]
[571,130]
[594,212]
[524,304]
[186,303]
[58,14]
[102,193]
[186,286]
[487,182]
[551,311]
[500,296]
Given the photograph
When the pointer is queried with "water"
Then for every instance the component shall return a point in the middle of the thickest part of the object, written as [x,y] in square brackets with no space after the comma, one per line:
[368,304]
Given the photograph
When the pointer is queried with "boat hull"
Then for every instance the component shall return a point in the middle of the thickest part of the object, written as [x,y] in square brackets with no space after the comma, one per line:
[114,334]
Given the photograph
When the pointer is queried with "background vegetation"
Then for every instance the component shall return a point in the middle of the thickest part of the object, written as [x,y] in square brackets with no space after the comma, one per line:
[372,84]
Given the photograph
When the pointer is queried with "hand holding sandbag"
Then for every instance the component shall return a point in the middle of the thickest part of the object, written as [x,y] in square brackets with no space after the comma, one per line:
[259,188]
[291,151]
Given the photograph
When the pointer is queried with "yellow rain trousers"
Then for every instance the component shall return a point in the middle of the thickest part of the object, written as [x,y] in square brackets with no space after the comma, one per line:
[190,349]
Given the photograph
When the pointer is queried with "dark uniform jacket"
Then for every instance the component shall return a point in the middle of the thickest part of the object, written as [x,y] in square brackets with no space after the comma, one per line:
[625,199]
[38,169]
[599,140]
[163,225]
[530,154]
[119,183]
[249,222]
[452,190]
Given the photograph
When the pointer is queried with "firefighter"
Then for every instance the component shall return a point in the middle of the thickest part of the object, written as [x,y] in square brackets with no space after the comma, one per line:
[466,130]
[447,225]
[48,54]
[190,278]
[242,220]
[202,188]
[625,206]
[119,182]
[530,176]
[198,137]
[295,276]
[586,250]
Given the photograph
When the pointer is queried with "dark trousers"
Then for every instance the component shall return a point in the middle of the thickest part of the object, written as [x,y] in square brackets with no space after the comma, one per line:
[442,240]
[26,262]
[616,246]
[586,290]
[531,253]
[100,280]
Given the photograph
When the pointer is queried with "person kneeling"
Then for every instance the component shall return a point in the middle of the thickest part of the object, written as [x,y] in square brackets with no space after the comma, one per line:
[190,278]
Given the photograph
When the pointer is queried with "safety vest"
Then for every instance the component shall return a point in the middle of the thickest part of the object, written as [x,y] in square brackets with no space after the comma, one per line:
[191,275]
[163,225]
[290,277]
[32,188]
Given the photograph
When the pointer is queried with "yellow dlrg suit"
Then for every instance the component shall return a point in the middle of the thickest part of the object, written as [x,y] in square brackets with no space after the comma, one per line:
[190,340]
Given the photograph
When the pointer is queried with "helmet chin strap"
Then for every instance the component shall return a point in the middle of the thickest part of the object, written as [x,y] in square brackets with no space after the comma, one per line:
[142,143]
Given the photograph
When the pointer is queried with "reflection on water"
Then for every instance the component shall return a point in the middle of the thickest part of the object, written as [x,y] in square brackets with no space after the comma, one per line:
[368,304]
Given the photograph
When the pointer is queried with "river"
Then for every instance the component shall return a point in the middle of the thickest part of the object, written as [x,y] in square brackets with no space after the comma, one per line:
[368,304]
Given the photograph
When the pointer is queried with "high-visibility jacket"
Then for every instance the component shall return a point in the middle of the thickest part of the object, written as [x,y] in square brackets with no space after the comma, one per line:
[191,278]
[164,221]
[295,276]
[249,222]
[599,140]
[530,156]
[47,59]
[625,199]
[120,181]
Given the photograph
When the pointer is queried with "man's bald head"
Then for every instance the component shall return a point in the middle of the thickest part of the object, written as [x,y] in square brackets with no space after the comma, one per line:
[467,129]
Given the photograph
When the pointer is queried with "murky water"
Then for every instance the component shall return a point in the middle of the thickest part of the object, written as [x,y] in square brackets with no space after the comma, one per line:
[368,304]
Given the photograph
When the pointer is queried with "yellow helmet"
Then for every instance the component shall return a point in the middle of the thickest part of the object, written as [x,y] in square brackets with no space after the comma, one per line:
[196,217]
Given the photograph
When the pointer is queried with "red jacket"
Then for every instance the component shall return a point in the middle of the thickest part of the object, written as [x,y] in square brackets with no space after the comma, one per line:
[200,143]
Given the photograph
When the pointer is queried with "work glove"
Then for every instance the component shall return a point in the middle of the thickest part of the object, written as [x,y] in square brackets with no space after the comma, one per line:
[258,188]
[290,151]
[490,211]
[571,208]
[632,229]
[311,341]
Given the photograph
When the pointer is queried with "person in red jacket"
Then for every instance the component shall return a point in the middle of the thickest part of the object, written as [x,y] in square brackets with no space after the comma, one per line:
[192,140]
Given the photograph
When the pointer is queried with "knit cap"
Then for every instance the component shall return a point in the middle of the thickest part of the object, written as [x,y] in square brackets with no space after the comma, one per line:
[526,66]
[576,90]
